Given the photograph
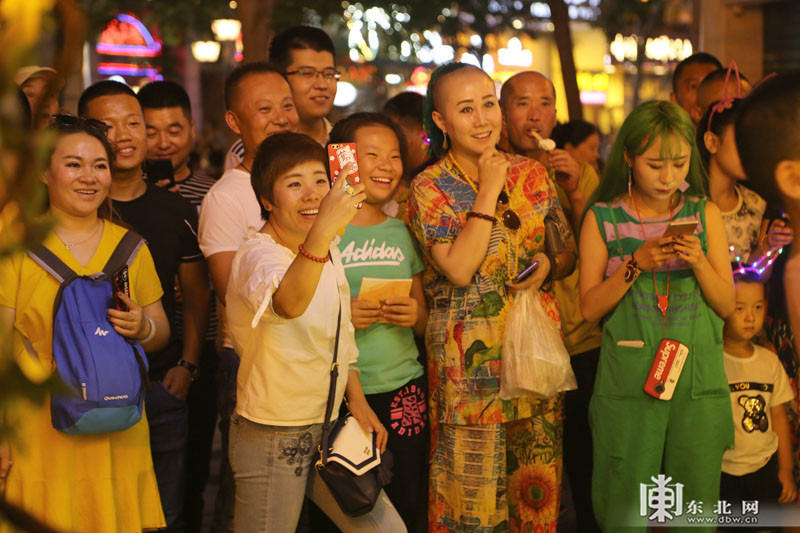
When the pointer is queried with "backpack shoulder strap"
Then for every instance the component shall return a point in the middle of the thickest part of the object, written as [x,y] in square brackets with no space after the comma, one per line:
[52,264]
[124,253]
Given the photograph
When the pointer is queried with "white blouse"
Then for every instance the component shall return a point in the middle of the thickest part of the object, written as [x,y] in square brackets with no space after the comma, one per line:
[284,372]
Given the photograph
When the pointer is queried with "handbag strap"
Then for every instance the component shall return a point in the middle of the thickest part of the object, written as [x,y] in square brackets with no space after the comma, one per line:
[326,426]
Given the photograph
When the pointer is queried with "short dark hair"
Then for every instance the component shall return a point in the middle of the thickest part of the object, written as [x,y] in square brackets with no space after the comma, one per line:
[573,132]
[700,57]
[720,120]
[719,75]
[161,94]
[748,275]
[767,129]
[344,131]
[241,72]
[277,155]
[298,38]
[101,88]
[407,104]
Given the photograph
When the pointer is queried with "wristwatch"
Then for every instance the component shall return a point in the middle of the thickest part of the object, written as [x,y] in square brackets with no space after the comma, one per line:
[191,367]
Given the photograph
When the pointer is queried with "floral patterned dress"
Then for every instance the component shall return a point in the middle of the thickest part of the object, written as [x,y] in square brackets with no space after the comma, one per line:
[508,452]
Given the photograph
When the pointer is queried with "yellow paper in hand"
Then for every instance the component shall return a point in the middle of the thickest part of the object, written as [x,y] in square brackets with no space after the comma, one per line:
[377,290]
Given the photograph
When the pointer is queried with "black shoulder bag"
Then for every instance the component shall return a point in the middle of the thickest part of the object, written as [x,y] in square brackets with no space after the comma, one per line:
[354,475]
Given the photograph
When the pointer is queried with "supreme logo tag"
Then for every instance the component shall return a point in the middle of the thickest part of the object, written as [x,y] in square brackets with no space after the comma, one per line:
[667,367]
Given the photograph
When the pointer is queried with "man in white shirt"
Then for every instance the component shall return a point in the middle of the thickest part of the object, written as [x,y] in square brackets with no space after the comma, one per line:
[259,104]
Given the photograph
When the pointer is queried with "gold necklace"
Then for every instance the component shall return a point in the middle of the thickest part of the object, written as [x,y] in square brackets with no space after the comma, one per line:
[512,255]
[87,239]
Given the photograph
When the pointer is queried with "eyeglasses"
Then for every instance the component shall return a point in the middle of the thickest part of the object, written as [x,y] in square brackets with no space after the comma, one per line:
[71,122]
[310,73]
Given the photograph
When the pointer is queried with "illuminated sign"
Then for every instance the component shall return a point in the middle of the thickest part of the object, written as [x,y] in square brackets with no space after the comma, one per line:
[125,35]
[127,69]
[656,49]
[594,97]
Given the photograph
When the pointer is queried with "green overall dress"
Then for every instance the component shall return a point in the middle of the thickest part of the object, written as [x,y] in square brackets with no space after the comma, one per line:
[637,437]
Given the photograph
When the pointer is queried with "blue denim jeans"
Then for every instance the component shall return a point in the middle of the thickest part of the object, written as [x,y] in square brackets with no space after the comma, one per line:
[273,469]
[168,418]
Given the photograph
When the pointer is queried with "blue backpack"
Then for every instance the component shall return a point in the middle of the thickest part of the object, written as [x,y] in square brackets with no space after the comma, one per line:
[106,372]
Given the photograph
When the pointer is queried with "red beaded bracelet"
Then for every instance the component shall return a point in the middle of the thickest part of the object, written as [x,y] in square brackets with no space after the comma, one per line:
[307,255]
[482,216]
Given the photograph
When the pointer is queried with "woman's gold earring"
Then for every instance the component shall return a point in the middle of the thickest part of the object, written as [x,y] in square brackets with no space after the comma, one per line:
[445,143]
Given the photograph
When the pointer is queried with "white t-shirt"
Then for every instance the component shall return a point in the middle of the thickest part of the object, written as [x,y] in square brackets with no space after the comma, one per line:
[284,374]
[757,383]
[235,153]
[228,213]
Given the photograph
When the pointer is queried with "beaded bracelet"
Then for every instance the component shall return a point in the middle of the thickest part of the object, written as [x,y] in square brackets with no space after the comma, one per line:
[301,249]
[482,216]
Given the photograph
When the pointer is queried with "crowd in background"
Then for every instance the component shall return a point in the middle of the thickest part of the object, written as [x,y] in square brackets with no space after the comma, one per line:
[249,281]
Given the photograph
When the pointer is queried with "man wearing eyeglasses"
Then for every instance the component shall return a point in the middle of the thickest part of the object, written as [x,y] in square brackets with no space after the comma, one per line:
[307,58]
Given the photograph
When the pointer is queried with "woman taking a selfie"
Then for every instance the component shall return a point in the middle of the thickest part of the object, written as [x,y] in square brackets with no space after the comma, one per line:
[287,285]
[651,285]
[87,482]
[479,217]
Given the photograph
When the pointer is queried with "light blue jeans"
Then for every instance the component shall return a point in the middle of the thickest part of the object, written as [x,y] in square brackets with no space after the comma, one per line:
[273,469]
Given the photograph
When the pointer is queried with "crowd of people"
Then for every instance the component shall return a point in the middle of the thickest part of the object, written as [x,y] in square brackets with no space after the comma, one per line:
[250,282]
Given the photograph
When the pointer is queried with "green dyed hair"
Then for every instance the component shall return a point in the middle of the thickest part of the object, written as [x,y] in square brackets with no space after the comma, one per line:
[436,135]
[648,122]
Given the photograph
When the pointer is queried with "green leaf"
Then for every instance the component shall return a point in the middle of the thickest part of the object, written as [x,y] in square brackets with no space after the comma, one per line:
[491,305]
[478,354]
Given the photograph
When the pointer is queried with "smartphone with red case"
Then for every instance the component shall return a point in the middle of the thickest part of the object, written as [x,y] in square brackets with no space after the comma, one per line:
[667,367]
[121,283]
[339,156]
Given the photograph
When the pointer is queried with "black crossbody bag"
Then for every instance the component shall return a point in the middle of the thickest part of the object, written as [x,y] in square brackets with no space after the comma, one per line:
[355,477]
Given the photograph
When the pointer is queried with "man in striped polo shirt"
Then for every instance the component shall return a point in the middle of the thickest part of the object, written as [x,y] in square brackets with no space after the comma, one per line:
[170,135]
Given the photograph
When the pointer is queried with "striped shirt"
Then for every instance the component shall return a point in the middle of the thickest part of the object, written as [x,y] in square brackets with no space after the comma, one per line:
[194,189]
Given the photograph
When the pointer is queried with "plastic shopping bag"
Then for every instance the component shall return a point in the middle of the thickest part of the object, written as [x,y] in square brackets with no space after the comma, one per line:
[534,359]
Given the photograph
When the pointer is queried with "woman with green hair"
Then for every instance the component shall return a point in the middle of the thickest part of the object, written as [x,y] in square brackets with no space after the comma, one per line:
[479,217]
[656,290]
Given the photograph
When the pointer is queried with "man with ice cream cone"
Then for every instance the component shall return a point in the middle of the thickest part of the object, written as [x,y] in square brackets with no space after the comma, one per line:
[528,101]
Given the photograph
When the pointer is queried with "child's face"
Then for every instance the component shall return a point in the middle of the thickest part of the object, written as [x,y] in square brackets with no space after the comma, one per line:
[748,318]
